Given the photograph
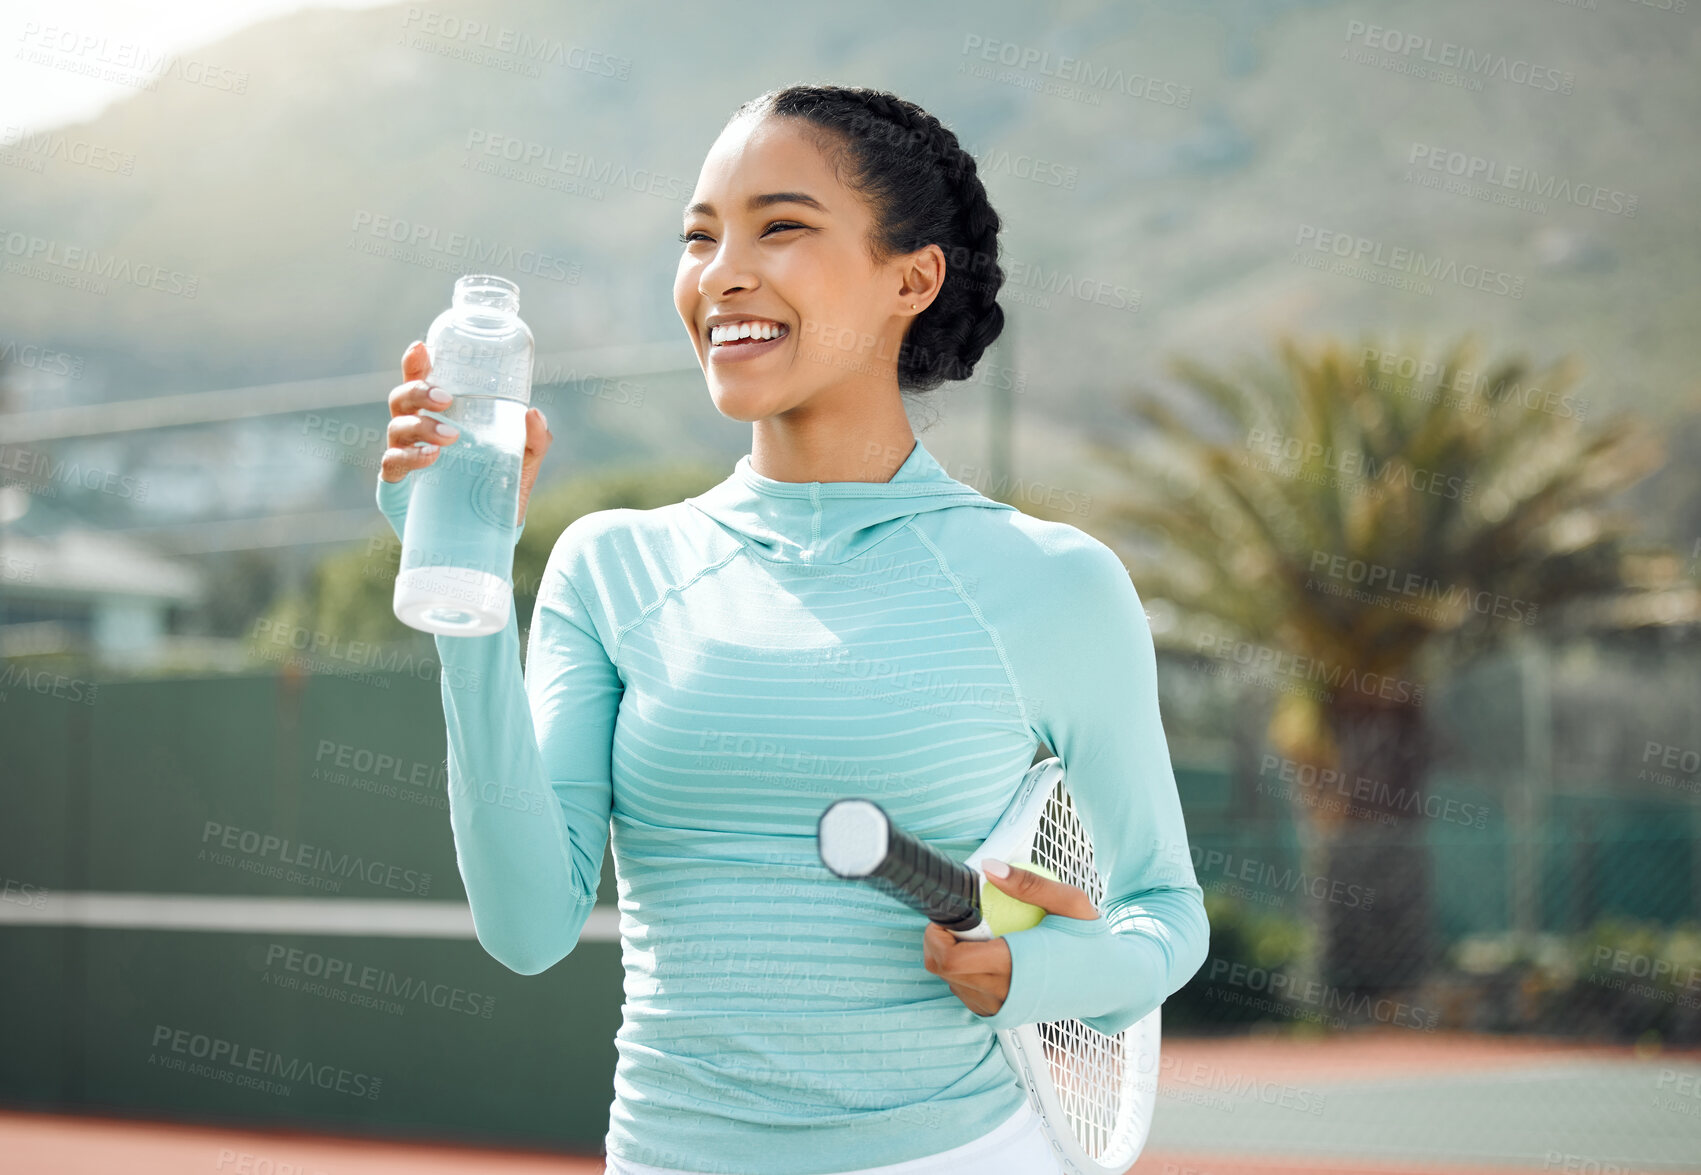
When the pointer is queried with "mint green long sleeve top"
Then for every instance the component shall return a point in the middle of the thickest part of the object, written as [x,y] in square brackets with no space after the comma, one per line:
[701,680]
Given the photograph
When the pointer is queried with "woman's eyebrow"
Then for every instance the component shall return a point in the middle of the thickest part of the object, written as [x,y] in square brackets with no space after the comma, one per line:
[763,201]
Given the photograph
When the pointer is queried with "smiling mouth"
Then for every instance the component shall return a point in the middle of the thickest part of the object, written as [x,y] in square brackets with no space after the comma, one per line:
[780,332]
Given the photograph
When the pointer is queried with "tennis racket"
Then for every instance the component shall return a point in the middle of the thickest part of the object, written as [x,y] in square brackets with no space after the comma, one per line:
[1094,1093]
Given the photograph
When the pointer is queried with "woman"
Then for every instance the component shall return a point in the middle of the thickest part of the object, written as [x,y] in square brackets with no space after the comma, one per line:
[838,617]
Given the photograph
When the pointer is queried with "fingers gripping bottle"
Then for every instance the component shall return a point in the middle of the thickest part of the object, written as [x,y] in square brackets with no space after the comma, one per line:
[458,540]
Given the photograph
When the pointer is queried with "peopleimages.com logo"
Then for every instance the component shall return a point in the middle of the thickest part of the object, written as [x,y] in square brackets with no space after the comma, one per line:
[1448,60]
[1413,265]
[1528,181]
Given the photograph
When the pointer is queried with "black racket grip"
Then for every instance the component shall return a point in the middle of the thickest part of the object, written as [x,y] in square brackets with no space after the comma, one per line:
[927,880]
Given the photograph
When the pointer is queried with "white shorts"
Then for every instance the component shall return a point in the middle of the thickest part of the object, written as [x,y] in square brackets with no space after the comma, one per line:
[1017,1147]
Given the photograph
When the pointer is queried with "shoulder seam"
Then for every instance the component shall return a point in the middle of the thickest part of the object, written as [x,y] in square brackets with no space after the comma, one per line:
[980,618]
[672,590]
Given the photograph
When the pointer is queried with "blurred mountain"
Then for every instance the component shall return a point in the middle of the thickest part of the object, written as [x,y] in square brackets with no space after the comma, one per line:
[323,213]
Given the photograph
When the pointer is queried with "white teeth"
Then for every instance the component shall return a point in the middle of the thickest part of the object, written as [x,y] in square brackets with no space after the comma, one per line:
[733,332]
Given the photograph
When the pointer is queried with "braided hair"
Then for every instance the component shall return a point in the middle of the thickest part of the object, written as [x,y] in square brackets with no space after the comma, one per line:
[923,189]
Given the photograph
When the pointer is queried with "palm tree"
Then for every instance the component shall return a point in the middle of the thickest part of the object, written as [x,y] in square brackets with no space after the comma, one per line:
[1354,519]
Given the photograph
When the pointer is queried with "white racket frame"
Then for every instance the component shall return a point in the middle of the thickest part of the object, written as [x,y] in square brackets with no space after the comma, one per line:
[1012,840]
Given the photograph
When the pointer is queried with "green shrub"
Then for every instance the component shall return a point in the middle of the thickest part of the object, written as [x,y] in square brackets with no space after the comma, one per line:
[1240,934]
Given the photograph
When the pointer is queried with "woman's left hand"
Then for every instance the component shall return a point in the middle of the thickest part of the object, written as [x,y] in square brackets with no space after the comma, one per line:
[978,973]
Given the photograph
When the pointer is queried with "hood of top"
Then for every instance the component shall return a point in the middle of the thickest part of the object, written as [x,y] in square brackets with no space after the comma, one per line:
[831,521]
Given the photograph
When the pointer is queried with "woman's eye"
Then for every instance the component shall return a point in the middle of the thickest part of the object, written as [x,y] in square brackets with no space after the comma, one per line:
[688,238]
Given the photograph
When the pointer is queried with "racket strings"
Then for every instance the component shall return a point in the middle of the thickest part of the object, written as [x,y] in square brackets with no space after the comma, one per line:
[1091,1072]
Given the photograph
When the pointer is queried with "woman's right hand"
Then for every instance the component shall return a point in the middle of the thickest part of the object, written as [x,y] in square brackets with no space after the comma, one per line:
[415,440]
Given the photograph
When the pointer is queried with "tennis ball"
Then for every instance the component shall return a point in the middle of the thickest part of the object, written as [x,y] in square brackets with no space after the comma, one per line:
[1005,914]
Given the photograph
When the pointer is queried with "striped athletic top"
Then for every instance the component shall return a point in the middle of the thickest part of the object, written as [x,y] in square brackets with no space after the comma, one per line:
[701,680]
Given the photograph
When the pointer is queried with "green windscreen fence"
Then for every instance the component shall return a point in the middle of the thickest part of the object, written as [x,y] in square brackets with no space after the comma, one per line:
[1557,905]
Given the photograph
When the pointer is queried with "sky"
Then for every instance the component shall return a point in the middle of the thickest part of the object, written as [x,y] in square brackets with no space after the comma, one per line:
[36,97]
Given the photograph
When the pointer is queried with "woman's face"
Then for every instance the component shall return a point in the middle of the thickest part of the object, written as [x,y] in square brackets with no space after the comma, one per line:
[801,262]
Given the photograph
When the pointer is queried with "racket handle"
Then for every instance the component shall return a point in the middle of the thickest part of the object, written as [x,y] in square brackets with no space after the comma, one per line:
[928,880]
[915,873]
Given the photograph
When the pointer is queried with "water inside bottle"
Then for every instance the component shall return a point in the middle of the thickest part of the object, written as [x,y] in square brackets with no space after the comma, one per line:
[458,539]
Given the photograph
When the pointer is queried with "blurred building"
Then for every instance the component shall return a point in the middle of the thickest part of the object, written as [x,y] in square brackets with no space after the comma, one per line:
[93,594]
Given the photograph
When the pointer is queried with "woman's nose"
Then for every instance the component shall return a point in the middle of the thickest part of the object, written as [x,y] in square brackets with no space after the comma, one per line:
[725,272]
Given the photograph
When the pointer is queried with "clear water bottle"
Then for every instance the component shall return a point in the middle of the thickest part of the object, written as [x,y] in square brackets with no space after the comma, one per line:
[457,562]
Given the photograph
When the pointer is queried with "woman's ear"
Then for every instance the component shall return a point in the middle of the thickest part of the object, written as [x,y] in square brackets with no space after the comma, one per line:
[923,272]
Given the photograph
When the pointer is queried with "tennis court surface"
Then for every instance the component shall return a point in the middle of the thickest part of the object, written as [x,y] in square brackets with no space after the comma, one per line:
[1391,1103]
